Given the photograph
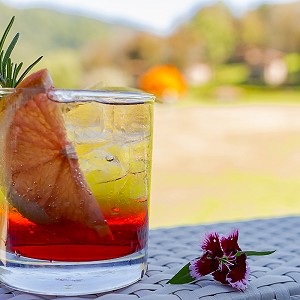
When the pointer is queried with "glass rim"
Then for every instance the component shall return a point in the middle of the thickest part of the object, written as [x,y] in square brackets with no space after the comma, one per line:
[107,96]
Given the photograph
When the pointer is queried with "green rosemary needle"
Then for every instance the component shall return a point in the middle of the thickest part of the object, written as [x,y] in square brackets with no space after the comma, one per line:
[9,71]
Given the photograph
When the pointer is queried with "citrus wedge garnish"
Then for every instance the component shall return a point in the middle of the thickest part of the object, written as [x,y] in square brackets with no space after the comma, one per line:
[45,183]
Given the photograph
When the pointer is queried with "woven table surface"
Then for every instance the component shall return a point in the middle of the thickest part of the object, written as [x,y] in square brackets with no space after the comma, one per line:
[271,277]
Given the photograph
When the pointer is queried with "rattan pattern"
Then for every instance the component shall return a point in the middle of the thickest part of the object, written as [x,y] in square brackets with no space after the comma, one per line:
[274,277]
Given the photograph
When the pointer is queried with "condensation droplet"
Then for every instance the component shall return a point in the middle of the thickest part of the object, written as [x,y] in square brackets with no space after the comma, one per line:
[81,184]
[115,209]
[109,157]
[141,200]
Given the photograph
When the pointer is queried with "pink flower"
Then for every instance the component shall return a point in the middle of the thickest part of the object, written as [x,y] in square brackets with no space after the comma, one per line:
[219,259]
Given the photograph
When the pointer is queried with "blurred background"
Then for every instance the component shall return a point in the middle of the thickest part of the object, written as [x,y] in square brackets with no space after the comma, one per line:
[226,76]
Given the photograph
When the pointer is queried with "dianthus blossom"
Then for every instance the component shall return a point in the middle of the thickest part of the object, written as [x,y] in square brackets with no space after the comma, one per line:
[219,259]
[222,258]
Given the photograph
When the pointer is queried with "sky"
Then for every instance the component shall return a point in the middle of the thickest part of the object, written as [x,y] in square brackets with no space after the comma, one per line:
[158,16]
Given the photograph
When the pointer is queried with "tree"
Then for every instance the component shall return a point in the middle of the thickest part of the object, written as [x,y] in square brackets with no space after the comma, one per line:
[217,28]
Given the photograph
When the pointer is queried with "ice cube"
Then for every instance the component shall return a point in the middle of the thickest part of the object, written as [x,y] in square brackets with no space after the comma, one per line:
[108,162]
[84,122]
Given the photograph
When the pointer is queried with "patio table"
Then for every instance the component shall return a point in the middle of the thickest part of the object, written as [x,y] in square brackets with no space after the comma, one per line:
[273,277]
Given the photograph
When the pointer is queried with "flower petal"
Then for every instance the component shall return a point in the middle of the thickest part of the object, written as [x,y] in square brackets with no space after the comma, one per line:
[230,244]
[211,243]
[203,266]
[221,274]
[238,276]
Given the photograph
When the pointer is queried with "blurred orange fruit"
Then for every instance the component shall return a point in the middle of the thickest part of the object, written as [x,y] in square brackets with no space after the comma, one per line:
[42,171]
[164,81]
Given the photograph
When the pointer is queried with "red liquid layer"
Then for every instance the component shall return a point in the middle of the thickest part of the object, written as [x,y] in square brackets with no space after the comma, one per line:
[73,242]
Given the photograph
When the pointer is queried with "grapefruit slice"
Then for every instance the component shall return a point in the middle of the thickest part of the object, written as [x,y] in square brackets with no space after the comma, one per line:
[42,171]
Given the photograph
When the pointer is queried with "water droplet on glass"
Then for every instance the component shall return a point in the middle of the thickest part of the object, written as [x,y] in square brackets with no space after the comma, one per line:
[53,204]
[115,209]
[109,157]
[141,200]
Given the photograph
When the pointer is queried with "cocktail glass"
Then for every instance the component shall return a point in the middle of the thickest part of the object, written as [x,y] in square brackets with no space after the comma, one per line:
[75,183]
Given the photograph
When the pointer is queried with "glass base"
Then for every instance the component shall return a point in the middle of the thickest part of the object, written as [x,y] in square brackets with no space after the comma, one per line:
[72,279]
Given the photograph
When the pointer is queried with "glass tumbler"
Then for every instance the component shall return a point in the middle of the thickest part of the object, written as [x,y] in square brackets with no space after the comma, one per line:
[75,175]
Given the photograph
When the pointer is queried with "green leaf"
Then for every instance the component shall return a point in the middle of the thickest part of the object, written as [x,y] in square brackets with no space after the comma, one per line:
[14,74]
[1,58]
[183,276]
[9,51]
[6,32]
[28,69]
[2,80]
[254,253]
[8,70]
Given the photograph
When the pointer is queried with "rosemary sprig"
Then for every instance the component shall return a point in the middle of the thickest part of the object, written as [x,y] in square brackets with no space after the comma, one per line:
[9,71]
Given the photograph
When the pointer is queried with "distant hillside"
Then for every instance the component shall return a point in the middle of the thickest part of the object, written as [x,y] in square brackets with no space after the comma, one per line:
[80,51]
[44,30]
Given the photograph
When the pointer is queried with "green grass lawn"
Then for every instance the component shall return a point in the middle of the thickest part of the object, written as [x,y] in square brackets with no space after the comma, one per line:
[266,185]
[225,197]
[214,94]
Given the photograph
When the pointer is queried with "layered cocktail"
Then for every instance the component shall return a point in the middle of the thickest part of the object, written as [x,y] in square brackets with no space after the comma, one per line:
[75,185]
